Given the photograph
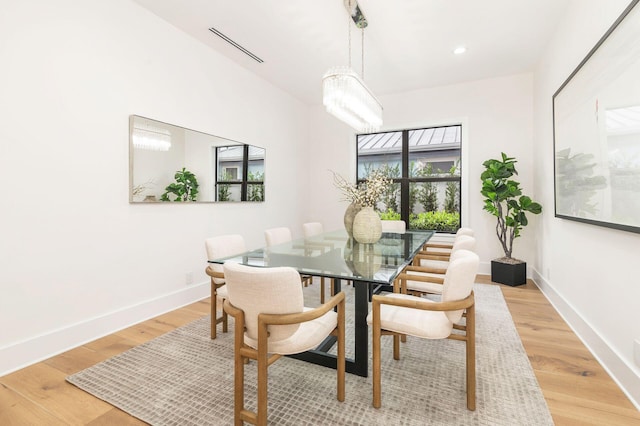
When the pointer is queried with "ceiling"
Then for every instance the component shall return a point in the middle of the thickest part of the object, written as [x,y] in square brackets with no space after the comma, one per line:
[407,45]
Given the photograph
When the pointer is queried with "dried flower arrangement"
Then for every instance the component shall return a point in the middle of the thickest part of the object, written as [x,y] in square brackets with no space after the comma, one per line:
[367,193]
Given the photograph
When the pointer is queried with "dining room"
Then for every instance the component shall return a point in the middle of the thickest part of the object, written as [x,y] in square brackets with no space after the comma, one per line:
[90,270]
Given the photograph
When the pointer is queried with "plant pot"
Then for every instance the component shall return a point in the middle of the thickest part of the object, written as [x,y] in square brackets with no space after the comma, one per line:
[509,273]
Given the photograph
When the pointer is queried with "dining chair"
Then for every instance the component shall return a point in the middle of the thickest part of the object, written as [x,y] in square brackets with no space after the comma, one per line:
[420,282]
[428,274]
[281,235]
[400,314]
[275,236]
[394,226]
[444,242]
[219,247]
[438,260]
[268,325]
[311,229]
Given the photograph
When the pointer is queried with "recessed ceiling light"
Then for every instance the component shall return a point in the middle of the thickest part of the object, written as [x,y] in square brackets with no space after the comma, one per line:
[459,50]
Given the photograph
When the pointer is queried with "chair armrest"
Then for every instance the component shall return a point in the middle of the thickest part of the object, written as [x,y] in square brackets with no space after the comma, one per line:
[214,274]
[433,255]
[437,245]
[427,269]
[422,278]
[318,245]
[425,305]
[403,278]
[418,257]
[300,317]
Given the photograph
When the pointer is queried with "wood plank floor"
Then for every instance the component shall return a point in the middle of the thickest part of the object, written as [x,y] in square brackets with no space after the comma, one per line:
[577,389]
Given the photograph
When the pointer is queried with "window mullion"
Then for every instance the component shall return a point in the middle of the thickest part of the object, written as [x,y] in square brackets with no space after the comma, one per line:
[404,185]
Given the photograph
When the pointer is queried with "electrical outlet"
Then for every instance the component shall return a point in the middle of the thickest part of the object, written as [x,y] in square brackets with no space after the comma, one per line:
[188,278]
[636,352]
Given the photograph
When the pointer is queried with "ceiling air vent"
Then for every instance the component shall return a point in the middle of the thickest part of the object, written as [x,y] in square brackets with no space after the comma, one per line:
[236,45]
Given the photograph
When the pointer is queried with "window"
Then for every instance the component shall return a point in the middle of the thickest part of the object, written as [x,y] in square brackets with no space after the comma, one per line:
[425,167]
[230,173]
[241,173]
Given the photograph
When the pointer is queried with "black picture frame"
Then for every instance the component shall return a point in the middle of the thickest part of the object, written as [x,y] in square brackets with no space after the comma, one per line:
[596,132]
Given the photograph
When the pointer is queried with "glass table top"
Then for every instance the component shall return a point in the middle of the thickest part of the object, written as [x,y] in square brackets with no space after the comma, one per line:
[334,254]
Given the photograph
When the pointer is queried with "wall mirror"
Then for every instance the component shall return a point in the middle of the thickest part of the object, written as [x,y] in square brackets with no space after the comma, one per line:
[169,163]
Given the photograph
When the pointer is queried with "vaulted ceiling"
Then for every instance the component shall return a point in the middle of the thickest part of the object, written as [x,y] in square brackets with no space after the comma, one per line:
[408,44]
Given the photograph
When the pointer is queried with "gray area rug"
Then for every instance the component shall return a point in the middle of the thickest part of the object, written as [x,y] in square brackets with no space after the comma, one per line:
[184,378]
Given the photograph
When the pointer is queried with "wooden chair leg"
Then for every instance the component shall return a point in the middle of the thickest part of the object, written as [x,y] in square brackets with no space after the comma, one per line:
[214,313]
[238,376]
[225,322]
[214,309]
[396,346]
[263,365]
[471,358]
[321,289]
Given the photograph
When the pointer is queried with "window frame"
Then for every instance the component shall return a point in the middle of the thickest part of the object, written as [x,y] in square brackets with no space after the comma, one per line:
[405,180]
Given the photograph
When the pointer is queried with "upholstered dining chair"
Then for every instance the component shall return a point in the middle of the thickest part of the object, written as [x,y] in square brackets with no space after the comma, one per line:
[394,226]
[281,235]
[309,230]
[428,275]
[268,325]
[400,314]
[275,236]
[419,282]
[218,247]
[444,242]
[438,260]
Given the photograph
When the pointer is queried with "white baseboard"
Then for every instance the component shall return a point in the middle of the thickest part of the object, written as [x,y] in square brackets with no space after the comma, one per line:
[38,348]
[620,371]
[484,268]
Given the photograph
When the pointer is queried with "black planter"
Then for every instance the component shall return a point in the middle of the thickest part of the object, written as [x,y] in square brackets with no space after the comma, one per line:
[512,274]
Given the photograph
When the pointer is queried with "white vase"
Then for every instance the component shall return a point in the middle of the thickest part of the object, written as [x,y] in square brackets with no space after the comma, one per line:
[367,227]
[349,215]
[366,259]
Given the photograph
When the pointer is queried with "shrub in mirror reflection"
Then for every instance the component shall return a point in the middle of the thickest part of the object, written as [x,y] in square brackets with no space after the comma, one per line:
[185,187]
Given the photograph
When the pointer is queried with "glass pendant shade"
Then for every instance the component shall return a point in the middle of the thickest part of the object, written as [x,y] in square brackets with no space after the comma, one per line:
[346,97]
[152,139]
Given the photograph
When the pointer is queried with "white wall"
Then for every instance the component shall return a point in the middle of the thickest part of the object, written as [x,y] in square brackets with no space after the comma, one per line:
[77,260]
[497,115]
[590,273]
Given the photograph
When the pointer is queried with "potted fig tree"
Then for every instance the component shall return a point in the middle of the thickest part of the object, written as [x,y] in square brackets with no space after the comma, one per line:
[504,200]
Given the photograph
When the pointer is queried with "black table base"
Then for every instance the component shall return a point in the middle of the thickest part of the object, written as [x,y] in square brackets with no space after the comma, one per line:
[358,365]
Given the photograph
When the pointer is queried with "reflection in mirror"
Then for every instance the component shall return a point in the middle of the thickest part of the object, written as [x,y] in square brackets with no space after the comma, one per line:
[240,173]
[171,163]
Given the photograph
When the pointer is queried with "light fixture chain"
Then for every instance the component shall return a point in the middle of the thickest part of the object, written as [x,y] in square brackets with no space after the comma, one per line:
[349,30]
[362,29]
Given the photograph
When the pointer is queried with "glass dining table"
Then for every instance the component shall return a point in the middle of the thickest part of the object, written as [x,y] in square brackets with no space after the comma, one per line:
[370,267]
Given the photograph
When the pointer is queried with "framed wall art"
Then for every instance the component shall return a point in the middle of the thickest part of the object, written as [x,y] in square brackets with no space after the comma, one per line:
[596,129]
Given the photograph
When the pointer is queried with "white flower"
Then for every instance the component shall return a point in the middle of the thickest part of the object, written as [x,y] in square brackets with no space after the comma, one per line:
[367,193]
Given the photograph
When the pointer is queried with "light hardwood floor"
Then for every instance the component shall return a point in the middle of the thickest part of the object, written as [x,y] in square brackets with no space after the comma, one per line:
[577,389]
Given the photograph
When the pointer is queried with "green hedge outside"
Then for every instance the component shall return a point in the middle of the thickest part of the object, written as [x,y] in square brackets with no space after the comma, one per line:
[439,221]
